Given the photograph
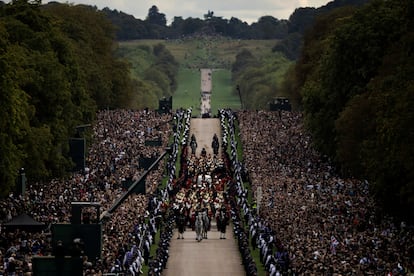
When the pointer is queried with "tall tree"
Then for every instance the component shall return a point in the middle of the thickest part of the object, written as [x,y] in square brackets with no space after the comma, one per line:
[15,112]
[269,27]
[192,25]
[357,97]
[155,17]
[56,67]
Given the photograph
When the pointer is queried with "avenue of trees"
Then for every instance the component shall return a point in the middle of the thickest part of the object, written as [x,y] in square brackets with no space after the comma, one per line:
[258,80]
[354,82]
[352,79]
[57,68]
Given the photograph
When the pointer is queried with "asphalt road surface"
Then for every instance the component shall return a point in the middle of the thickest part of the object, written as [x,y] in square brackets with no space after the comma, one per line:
[204,130]
[212,256]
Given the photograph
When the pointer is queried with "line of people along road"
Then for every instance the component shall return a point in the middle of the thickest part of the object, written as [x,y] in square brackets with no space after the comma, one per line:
[323,221]
[119,138]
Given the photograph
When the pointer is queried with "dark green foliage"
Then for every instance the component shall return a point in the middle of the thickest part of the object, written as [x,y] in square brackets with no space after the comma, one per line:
[355,50]
[216,25]
[267,27]
[301,20]
[308,74]
[237,28]
[244,59]
[56,68]
[258,80]
[155,17]
[163,71]
[355,76]
[290,46]
[15,112]
[127,26]
[192,26]
[155,71]
[385,138]
[45,100]
[91,35]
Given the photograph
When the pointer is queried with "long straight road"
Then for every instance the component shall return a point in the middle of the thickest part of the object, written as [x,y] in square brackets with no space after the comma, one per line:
[204,130]
[212,256]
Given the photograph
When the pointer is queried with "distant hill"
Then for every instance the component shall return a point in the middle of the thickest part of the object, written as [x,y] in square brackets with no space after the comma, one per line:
[131,28]
[288,32]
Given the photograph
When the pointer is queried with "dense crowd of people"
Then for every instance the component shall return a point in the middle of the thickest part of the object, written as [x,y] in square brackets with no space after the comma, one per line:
[237,193]
[308,220]
[181,127]
[326,223]
[119,139]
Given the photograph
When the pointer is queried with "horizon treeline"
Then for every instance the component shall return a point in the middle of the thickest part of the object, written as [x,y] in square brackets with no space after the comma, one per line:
[289,31]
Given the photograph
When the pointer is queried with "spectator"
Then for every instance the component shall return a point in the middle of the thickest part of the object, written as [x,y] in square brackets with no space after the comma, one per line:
[119,138]
[327,223]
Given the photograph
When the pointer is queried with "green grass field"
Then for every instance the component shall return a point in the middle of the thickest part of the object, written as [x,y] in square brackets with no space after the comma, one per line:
[193,54]
[216,51]
[188,91]
[223,95]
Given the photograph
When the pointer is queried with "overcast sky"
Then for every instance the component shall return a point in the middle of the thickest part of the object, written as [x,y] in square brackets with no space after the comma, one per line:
[245,10]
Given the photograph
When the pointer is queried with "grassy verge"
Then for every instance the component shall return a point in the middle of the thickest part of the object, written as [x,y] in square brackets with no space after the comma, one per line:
[193,54]
[188,90]
[222,93]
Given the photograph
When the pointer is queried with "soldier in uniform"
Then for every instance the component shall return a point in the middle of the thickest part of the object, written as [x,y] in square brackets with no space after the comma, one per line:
[193,144]
[181,222]
[222,221]
[215,144]
[204,153]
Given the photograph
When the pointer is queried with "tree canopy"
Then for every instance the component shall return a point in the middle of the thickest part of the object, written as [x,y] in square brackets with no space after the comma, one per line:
[289,31]
[155,17]
[57,68]
[258,80]
[355,80]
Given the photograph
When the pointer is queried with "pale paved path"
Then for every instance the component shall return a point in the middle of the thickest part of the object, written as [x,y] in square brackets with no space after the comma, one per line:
[206,90]
[206,80]
[204,129]
[211,256]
